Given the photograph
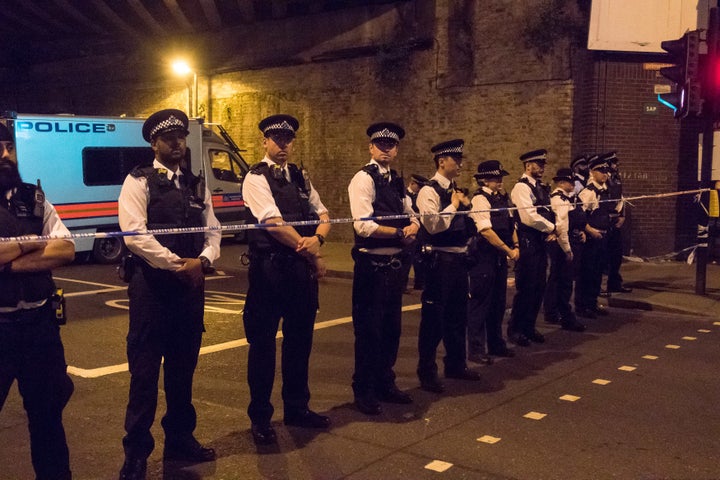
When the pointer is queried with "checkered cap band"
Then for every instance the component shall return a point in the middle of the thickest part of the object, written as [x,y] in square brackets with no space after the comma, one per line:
[458,149]
[494,173]
[284,125]
[169,123]
[541,157]
[385,133]
[601,164]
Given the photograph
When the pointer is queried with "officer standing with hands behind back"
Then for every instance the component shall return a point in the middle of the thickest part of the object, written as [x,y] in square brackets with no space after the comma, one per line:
[166,291]
[285,264]
[31,350]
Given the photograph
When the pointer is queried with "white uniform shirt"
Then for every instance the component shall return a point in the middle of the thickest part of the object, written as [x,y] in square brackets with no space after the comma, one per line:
[562,209]
[258,196]
[362,195]
[428,201]
[132,216]
[589,198]
[481,210]
[522,197]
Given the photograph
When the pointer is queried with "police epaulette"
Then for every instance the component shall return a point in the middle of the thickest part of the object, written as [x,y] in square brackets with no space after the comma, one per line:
[258,168]
[142,171]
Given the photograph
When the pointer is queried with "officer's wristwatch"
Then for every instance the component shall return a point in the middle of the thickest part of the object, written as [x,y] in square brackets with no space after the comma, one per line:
[399,233]
[206,265]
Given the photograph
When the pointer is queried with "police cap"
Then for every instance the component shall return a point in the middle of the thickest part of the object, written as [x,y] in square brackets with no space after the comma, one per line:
[164,121]
[282,124]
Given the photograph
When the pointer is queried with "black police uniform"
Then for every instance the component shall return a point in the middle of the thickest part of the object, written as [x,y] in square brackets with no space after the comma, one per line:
[166,318]
[378,283]
[614,237]
[488,281]
[531,268]
[282,283]
[415,253]
[587,288]
[556,303]
[31,350]
[444,300]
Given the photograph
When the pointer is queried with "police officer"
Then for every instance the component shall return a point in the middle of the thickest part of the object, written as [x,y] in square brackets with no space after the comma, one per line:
[414,186]
[594,198]
[536,228]
[285,264]
[379,252]
[30,347]
[617,220]
[444,300]
[569,221]
[166,292]
[495,242]
[579,167]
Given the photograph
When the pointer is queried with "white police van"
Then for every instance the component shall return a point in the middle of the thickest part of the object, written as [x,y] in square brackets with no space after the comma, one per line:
[83,161]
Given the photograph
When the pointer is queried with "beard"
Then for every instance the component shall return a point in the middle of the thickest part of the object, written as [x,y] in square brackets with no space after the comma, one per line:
[9,175]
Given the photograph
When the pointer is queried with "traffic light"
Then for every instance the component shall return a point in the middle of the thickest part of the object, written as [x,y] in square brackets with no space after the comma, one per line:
[684,54]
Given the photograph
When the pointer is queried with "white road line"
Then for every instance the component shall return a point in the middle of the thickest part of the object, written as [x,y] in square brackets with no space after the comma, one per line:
[108,288]
[123,367]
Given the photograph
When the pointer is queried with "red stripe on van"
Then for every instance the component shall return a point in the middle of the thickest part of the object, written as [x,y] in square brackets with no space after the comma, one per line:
[87,210]
[218,202]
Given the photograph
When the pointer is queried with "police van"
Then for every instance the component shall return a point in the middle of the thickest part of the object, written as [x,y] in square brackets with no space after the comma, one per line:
[83,161]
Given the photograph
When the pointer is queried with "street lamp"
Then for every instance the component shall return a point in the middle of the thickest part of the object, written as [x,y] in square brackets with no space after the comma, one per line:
[181,68]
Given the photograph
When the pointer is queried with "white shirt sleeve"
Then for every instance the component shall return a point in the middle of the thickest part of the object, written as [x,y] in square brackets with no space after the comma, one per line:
[520,196]
[52,225]
[315,204]
[211,247]
[589,200]
[132,216]
[428,201]
[480,212]
[362,195]
[258,197]
[561,208]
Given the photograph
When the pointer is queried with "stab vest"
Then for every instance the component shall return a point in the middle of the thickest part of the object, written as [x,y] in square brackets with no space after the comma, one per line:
[389,200]
[461,228]
[541,200]
[172,207]
[614,186]
[600,217]
[292,199]
[22,217]
[577,218]
[502,224]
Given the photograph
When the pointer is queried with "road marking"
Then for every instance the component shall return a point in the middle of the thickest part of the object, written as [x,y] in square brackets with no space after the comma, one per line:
[627,368]
[689,339]
[106,287]
[123,367]
[535,415]
[489,439]
[704,330]
[716,323]
[672,347]
[650,357]
[600,381]
[569,398]
[438,465]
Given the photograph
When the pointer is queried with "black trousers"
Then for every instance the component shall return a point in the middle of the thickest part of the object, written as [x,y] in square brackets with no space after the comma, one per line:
[280,286]
[587,287]
[614,258]
[530,281]
[32,353]
[378,283]
[166,321]
[443,314]
[486,303]
[559,288]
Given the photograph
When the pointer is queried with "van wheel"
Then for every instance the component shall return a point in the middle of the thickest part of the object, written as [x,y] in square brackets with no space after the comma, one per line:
[108,250]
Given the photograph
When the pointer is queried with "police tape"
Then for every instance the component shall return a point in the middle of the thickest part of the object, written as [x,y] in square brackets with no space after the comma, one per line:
[300,223]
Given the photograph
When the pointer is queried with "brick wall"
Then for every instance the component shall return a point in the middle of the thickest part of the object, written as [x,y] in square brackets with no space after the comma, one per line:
[657,153]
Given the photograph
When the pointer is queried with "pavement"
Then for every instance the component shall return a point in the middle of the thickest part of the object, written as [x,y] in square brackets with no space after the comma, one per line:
[662,286]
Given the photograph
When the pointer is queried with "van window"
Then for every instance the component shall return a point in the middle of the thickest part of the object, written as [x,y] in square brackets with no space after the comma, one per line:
[226,167]
[110,165]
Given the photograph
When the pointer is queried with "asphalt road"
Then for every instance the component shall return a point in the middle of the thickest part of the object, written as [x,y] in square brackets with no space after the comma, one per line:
[614,402]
